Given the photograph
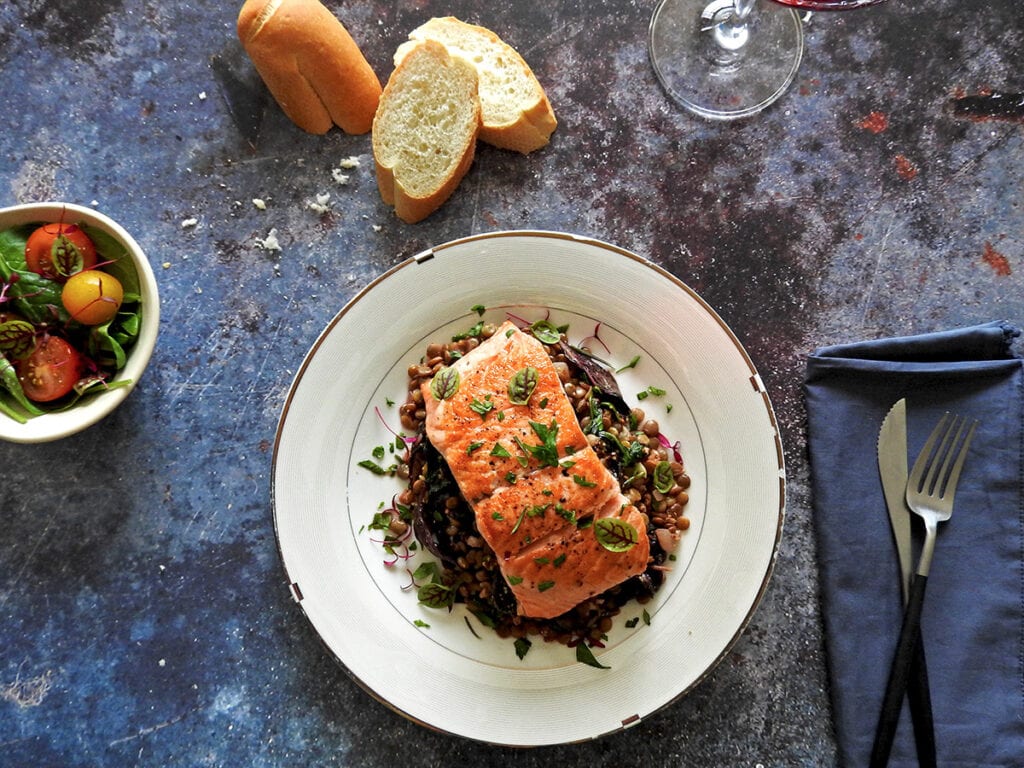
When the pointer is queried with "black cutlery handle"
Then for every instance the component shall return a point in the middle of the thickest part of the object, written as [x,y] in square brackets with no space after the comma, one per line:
[919,694]
[899,675]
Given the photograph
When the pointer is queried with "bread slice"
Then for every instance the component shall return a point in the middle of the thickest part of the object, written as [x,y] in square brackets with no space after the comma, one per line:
[310,63]
[425,130]
[516,113]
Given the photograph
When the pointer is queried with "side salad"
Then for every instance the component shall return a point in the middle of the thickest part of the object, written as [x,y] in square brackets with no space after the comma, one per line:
[70,311]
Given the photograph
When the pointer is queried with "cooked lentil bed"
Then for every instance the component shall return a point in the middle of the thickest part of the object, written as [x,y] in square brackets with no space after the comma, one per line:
[448,523]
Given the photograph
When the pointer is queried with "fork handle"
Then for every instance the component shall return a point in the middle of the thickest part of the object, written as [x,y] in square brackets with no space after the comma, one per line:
[899,674]
[919,695]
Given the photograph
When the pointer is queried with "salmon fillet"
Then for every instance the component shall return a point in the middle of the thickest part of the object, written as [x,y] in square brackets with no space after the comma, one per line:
[536,486]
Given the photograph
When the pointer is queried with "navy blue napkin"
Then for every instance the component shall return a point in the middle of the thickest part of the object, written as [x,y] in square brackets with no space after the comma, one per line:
[973,619]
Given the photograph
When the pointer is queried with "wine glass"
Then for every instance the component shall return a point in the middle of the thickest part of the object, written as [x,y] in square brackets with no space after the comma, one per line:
[724,59]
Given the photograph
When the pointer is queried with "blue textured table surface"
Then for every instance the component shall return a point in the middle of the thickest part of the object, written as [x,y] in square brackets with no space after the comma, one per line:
[144,615]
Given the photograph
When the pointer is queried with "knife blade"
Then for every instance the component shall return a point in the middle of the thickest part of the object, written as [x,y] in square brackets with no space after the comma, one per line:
[892,466]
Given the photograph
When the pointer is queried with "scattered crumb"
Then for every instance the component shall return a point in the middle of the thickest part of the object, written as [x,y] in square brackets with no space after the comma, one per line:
[377,227]
[260,203]
[341,178]
[320,205]
[27,693]
[349,162]
[166,265]
[270,242]
[202,95]
[186,223]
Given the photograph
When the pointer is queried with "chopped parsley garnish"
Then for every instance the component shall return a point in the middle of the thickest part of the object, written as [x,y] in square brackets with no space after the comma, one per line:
[544,586]
[500,450]
[631,364]
[482,407]
[656,391]
[547,451]
[522,646]
[474,446]
[581,480]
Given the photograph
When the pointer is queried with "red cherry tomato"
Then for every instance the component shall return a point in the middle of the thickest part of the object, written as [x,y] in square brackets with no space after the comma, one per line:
[59,250]
[51,371]
[92,297]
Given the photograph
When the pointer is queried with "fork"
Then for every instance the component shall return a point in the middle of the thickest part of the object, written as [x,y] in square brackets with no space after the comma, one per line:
[930,490]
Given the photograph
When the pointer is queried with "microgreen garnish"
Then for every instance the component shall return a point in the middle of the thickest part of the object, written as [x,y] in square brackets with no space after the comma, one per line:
[436,595]
[664,480]
[445,383]
[522,384]
[545,332]
[581,480]
[586,656]
[615,535]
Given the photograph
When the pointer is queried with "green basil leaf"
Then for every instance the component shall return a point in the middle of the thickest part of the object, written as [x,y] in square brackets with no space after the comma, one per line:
[615,535]
[522,384]
[445,383]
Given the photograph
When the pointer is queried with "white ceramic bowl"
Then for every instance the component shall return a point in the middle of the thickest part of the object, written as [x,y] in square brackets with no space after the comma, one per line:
[93,407]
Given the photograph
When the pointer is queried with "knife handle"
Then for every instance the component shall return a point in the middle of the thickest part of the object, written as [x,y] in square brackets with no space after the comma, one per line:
[899,674]
[919,694]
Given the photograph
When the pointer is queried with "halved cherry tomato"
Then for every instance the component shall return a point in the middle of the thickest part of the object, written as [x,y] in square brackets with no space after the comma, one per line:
[59,250]
[51,371]
[92,297]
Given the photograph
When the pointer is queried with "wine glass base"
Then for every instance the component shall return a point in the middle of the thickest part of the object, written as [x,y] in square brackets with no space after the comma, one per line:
[720,71]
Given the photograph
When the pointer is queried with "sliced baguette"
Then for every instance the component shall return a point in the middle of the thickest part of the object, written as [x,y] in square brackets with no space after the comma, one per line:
[310,63]
[515,111]
[425,130]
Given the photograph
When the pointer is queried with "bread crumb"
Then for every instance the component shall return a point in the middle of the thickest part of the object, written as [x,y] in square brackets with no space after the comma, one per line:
[166,265]
[320,205]
[349,162]
[260,203]
[186,223]
[270,242]
[340,177]
[377,227]
[202,95]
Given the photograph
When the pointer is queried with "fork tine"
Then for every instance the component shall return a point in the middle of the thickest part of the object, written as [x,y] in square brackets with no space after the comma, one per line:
[922,463]
[933,482]
[954,475]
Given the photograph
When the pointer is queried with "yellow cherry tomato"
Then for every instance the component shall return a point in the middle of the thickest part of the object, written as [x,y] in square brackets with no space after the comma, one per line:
[92,297]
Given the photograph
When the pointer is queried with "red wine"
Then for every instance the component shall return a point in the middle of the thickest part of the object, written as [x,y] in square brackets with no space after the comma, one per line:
[828,5]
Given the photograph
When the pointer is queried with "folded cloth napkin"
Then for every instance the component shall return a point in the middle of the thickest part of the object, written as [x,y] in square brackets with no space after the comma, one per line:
[973,618]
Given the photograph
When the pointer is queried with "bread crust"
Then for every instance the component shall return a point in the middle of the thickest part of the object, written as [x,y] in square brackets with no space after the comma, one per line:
[534,120]
[410,206]
[310,63]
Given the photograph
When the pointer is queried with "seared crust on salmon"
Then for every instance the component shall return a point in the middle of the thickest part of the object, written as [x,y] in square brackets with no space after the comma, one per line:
[500,418]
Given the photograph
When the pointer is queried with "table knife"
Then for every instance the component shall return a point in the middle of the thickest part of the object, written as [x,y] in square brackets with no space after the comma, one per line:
[892,466]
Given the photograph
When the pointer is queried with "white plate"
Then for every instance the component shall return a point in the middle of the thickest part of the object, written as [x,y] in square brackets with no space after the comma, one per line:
[455,675]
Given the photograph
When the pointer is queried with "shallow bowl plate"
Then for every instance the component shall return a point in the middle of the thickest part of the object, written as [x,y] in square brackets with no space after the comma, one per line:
[445,670]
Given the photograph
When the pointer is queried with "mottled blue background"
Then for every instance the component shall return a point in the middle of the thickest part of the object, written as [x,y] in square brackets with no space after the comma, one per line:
[144,616]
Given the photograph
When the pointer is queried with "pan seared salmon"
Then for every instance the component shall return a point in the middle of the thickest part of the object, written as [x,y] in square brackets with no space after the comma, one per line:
[503,423]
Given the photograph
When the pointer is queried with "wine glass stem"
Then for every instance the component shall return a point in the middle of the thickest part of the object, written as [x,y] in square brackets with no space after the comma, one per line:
[743,8]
